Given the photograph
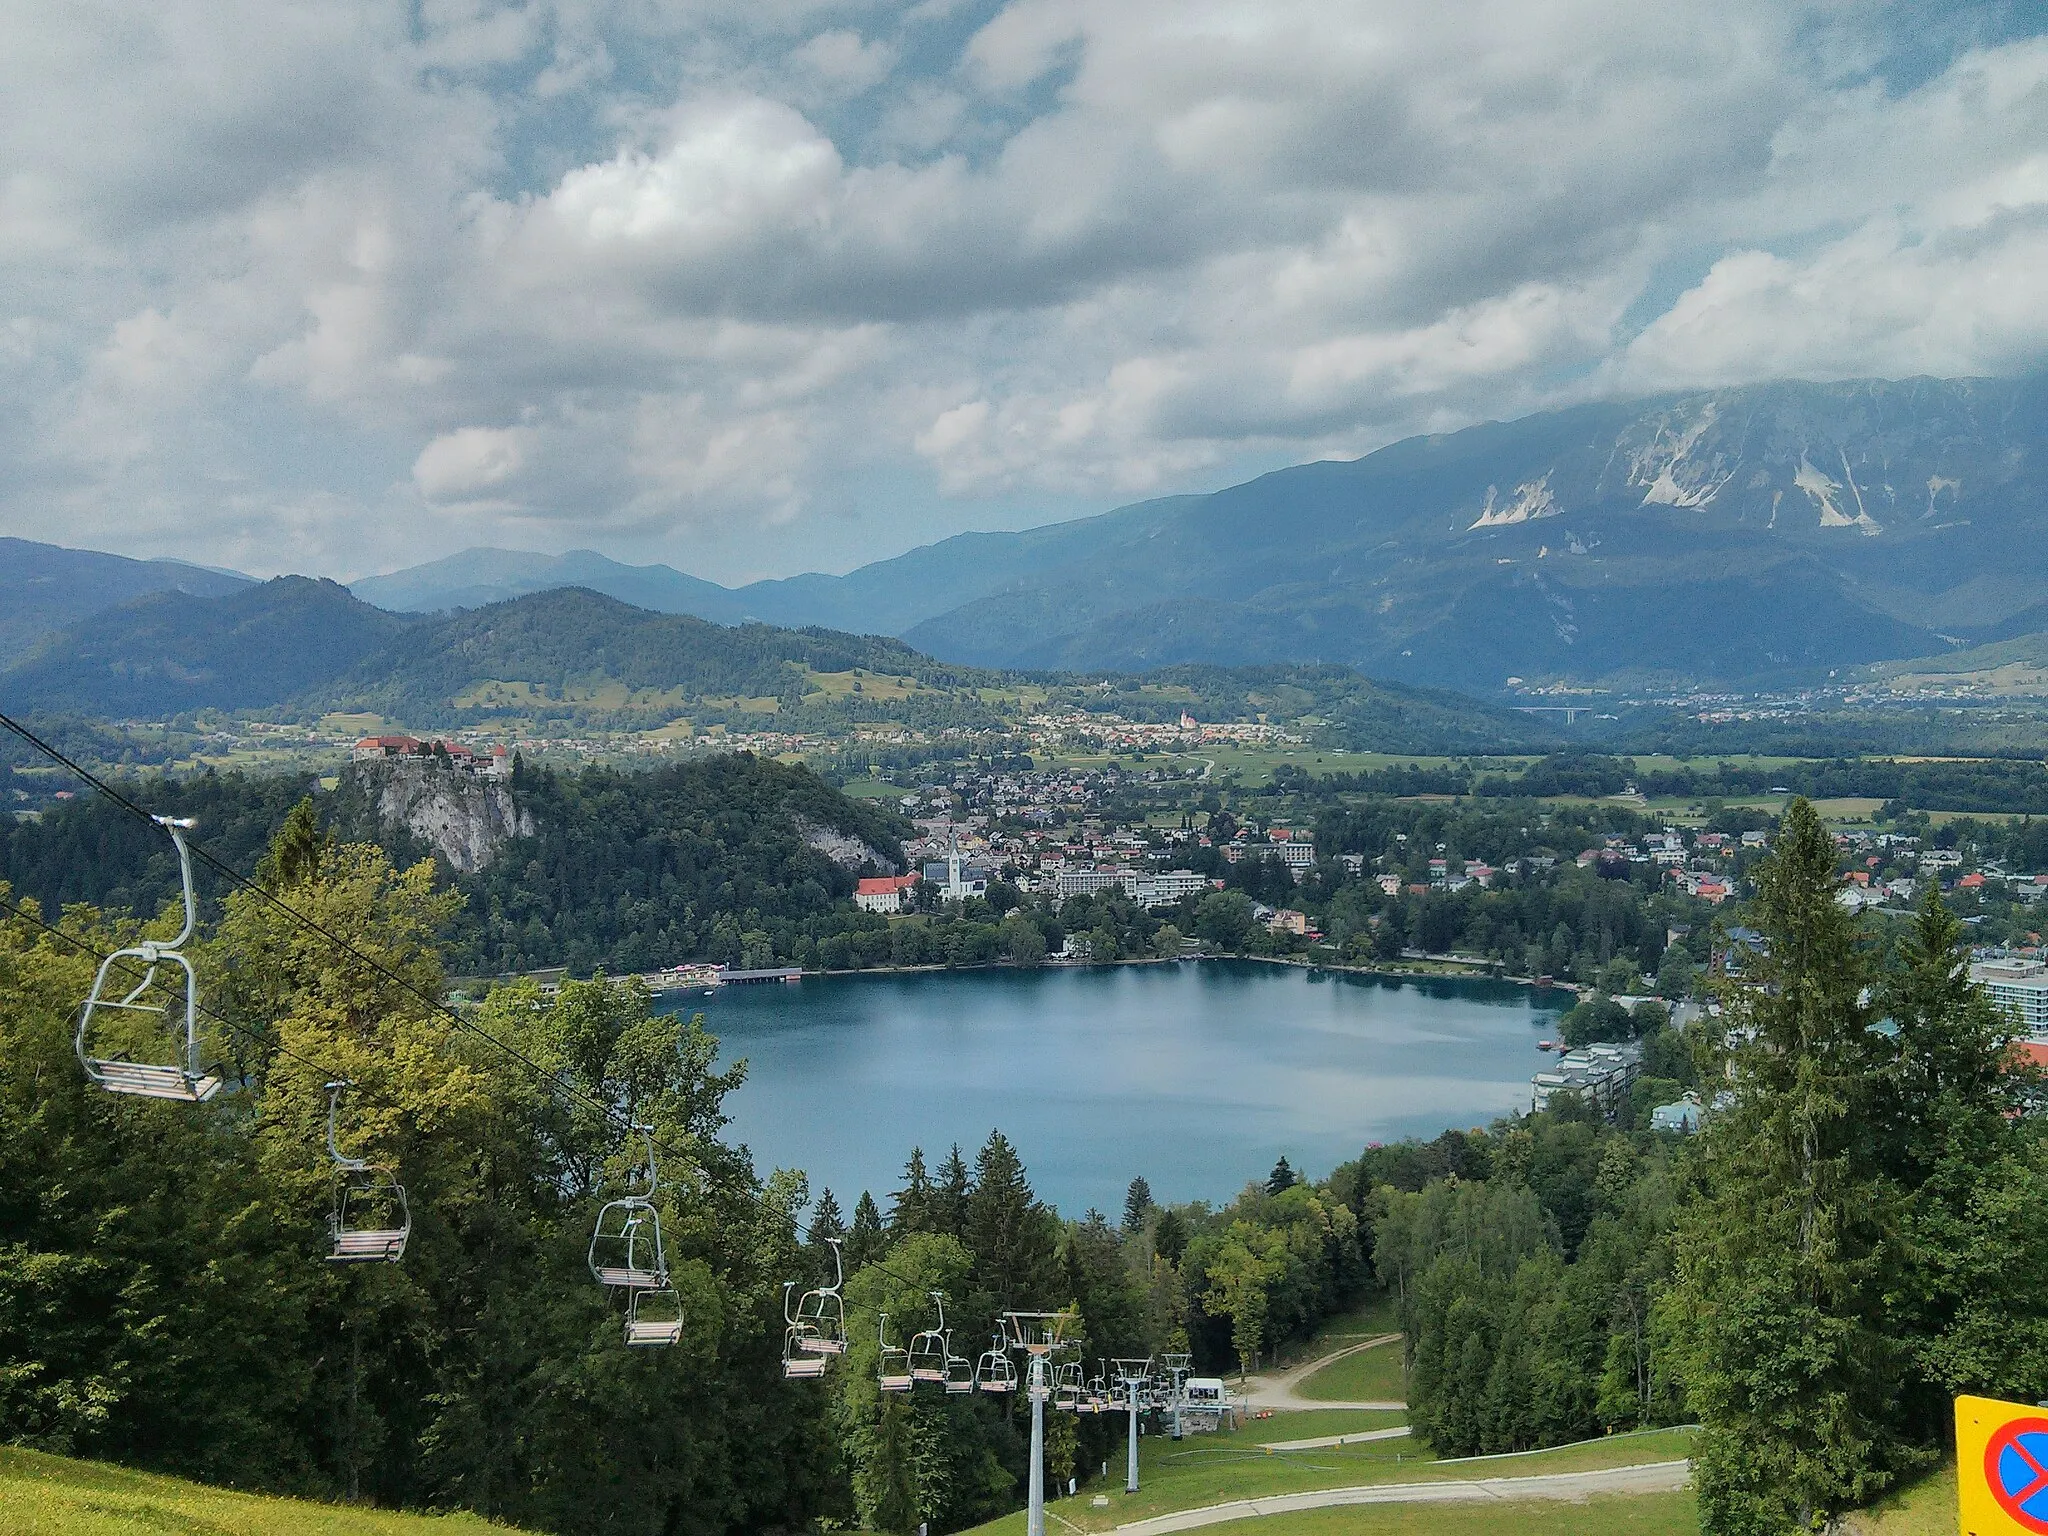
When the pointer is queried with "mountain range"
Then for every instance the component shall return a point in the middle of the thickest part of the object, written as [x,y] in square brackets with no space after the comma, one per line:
[1760,535]
[1766,533]
[296,648]
[44,587]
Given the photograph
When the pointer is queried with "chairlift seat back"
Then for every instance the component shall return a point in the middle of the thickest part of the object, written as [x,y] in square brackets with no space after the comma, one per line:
[378,1239]
[654,1318]
[804,1367]
[626,1249]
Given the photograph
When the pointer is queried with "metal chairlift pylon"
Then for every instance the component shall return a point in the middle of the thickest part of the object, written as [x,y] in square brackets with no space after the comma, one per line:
[185,1080]
[371,1219]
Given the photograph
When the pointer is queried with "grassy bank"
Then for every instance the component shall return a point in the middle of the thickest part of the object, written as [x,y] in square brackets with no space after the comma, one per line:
[1642,1514]
[1215,1469]
[52,1496]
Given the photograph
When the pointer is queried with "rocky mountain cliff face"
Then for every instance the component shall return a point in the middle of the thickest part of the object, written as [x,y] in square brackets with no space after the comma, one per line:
[464,818]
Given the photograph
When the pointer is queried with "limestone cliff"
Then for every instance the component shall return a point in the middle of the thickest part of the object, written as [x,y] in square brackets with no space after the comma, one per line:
[464,818]
[842,848]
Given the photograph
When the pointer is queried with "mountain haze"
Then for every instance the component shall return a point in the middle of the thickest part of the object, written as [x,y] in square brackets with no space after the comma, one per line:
[476,578]
[1747,535]
[44,587]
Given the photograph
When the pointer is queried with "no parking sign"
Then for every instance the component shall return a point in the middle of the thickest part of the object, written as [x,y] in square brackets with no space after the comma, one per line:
[2001,1467]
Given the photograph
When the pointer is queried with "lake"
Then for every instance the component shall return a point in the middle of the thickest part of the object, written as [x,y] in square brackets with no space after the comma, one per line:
[1196,1075]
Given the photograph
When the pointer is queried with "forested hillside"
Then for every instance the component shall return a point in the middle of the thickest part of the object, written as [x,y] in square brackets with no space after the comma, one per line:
[573,654]
[1841,1250]
[175,651]
[1848,1241]
[726,858]
[163,1296]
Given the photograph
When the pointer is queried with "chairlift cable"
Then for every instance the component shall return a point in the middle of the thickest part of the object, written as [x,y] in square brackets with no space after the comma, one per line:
[553,1080]
[637,1331]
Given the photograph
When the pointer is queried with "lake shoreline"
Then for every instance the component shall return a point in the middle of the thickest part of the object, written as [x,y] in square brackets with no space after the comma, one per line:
[1187,1074]
[1456,970]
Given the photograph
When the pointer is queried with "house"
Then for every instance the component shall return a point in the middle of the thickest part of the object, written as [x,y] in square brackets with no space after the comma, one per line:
[884,893]
[1287,920]
[1682,1116]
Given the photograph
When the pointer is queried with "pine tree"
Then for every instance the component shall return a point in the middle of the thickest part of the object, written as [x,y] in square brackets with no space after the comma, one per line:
[949,1196]
[1281,1179]
[826,1222]
[1012,1235]
[1170,1237]
[1948,1132]
[1776,1302]
[912,1208]
[1137,1204]
[865,1240]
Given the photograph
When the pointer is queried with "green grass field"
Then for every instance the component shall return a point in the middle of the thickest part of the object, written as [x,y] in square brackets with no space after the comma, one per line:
[1214,1469]
[1647,1514]
[1371,1375]
[51,1496]
[1925,1508]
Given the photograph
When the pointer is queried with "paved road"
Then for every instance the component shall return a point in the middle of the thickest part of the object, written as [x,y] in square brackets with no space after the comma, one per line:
[1655,1477]
[1278,1390]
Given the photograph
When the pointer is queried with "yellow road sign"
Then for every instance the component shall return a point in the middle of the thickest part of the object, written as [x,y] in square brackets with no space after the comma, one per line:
[2001,1467]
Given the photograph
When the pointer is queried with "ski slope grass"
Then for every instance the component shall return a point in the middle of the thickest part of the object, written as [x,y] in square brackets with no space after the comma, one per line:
[53,1496]
[1641,1514]
[1215,1469]
[1369,1376]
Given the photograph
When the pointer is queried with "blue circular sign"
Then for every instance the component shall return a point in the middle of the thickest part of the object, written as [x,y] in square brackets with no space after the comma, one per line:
[2016,1468]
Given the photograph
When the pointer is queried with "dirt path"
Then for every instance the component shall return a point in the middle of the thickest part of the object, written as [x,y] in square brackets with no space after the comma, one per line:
[1278,1389]
[1322,1441]
[1655,1477]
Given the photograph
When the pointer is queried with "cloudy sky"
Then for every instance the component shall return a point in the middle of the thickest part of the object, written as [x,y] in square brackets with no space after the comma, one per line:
[761,286]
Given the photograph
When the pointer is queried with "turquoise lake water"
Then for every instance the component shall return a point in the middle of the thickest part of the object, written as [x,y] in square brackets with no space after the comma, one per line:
[1197,1075]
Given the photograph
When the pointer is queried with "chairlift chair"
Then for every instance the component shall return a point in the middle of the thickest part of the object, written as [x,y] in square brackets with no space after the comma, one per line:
[930,1350]
[959,1374]
[996,1371]
[1066,1387]
[801,1357]
[892,1371]
[371,1220]
[186,1080]
[799,1363]
[653,1317]
[821,1313]
[626,1251]
[1095,1398]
